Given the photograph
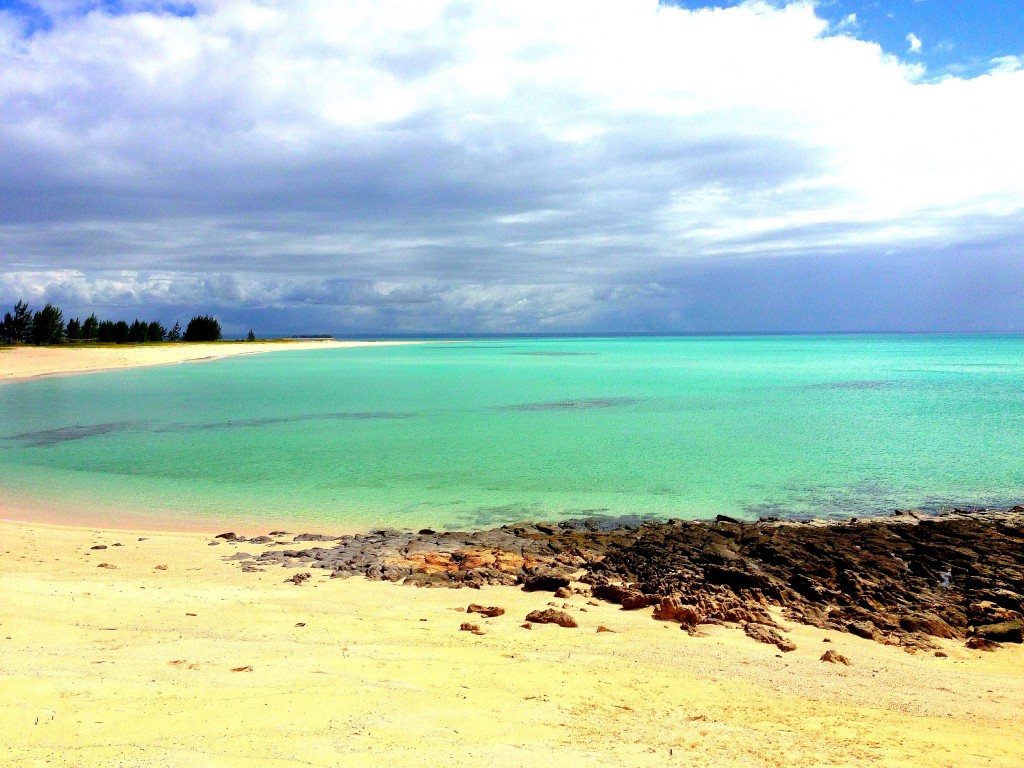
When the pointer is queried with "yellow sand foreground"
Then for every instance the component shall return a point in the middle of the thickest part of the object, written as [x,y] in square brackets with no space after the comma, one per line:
[30,362]
[174,657]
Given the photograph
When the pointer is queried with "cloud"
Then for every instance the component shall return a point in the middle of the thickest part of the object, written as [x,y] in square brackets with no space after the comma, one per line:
[474,164]
[915,43]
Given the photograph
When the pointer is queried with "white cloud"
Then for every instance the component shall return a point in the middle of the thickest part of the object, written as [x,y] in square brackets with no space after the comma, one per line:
[565,146]
[915,43]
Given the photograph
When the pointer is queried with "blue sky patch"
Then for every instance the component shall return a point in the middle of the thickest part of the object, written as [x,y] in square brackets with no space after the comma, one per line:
[947,36]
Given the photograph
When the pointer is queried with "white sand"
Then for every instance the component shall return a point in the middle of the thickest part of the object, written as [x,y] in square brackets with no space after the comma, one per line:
[26,362]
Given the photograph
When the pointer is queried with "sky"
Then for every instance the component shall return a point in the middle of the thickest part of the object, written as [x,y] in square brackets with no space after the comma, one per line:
[468,166]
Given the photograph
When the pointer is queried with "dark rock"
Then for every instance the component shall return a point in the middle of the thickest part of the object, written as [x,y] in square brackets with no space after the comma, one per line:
[551,616]
[543,580]
[298,578]
[231,536]
[862,629]
[1004,632]
[734,577]
[99,546]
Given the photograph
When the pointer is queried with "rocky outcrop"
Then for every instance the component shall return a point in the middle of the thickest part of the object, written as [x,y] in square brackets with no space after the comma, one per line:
[903,579]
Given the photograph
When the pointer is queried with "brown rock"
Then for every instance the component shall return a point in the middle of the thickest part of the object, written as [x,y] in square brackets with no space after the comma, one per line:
[467,627]
[551,616]
[563,592]
[928,624]
[981,644]
[833,657]
[673,609]
[107,565]
[298,578]
[490,611]
[862,629]
[629,599]
[603,628]
[769,636]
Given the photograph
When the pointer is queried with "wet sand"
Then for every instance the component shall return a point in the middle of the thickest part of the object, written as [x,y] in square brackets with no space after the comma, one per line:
[136,664]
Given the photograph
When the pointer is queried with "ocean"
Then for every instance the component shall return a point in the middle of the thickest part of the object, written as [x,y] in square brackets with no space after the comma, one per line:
[492,431]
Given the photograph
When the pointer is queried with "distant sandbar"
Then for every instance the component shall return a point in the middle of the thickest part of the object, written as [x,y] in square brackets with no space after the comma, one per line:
[20,363]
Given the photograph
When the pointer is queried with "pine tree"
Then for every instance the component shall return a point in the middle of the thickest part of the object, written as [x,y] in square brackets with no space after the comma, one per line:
[48,326]
[90,328]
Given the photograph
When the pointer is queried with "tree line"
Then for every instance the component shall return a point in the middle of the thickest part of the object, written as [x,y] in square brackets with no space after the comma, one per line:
[46,326]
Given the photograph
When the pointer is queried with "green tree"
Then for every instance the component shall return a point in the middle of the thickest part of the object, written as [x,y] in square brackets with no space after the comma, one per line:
[251,336]
[105,331]
[138,332]
[17,327]
[175,333]
[156,332]
[121,330]
[202,328]
[48,326]
[74,330]
[90,328]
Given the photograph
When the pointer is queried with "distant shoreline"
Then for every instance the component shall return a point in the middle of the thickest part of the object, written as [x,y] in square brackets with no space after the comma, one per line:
[24,363]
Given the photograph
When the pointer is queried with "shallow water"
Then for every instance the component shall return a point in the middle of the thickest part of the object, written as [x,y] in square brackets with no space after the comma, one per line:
[484,433]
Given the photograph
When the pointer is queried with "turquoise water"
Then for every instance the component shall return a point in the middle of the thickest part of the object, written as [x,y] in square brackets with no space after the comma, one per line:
[488,432]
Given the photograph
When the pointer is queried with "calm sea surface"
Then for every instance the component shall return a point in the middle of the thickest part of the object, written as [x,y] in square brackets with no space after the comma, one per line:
[487,432]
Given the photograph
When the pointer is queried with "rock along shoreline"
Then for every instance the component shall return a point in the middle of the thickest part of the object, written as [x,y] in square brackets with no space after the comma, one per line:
[905,579]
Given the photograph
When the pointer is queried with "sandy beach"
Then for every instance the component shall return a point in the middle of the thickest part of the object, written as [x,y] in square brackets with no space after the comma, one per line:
[157,651]
[28,362]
